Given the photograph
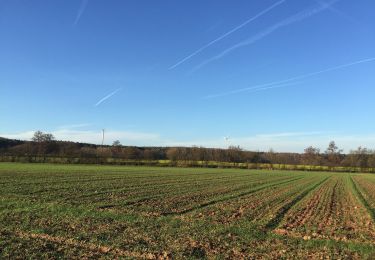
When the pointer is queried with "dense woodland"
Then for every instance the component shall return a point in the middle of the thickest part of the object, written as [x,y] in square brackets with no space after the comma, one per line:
[45,145]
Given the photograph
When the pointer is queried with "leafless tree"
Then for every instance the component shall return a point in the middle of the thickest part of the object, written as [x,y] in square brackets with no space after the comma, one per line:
[311,156]
[333,154]
[40,137]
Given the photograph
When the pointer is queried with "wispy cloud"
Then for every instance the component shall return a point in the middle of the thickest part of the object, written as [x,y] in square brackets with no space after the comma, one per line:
[26,135]
[74,126]
[227,33]
[286,142]
[107,97]
[290,20]
[92,136]
[288,82]
[336,11]
[257,88]
[81,10]
[290,134]
[281,142]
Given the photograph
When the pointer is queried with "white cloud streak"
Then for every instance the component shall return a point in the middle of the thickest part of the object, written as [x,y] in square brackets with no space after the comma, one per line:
[336,11]
[95,137]
[289,134]
[286,142]
[288,82]
[107,97]
[227,33]
[27,135]
[81,10]
[281,142]
[253,89]
[73,126]
[290,20]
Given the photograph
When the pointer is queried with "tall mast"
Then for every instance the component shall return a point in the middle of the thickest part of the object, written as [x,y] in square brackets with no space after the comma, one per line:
[103,137]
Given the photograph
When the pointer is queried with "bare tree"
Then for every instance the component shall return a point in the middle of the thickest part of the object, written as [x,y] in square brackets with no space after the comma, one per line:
[45,142]
[333,154]
[358,158]
[270,156]
[116,143]
[371,159]
[311,156]
[40,137]
[116,148]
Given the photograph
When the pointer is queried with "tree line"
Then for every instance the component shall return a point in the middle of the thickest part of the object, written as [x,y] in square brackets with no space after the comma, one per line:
[45,144]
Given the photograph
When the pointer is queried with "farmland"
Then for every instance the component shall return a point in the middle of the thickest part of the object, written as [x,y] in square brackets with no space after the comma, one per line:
[77,211]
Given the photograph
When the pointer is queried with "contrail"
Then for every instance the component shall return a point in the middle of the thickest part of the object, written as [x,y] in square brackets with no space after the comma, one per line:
[80,11]
[253,89]
[336,11]
[290,20]
[106,97]
[276,86]
[287,82]
[227,33]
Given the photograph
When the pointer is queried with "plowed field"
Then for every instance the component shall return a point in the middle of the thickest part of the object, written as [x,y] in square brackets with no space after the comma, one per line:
[80,212]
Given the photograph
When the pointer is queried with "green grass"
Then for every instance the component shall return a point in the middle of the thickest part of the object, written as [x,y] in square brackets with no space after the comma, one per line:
[83,211]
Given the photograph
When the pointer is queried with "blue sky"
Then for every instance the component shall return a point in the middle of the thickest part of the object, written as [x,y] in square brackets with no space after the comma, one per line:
[269,74]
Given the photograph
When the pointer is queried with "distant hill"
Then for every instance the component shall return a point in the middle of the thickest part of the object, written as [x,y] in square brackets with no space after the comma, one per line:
[6,143]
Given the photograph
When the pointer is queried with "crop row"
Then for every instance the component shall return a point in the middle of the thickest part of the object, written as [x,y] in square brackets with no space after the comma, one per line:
[333,212]
[261,206]
[90,212]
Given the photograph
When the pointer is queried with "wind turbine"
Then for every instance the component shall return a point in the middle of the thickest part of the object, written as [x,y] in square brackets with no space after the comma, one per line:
[102,137]
[227,140]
